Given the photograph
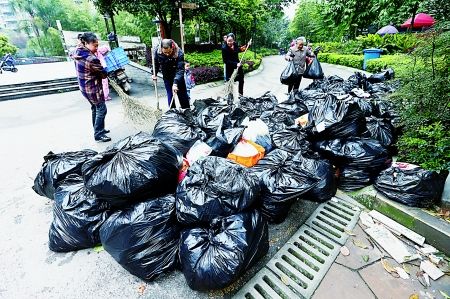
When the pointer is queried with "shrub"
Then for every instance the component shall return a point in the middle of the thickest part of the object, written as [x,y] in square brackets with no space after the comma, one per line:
[429,147]
[207,67]
[354,61]
[5,46]
[267,52]
[204,74]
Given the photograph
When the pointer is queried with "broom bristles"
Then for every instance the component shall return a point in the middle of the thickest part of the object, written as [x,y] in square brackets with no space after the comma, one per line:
[137,112]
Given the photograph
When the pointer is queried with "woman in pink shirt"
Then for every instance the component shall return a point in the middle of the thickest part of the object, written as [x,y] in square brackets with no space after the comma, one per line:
[101,53]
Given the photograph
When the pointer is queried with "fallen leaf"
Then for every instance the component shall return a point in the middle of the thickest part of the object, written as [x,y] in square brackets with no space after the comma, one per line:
[141,289]
[345,251]
[365,258]
[349,232]
[360,244]
[444,294]
[99,248]
[389,268]
[414,296]
[284,279]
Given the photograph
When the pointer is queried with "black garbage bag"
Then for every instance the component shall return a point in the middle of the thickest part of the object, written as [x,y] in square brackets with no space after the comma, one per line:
[381,89]
[366,105]
[313,70]
[282,183]
[178,127]
[327,84]
[357,80]
[277,120]
[213,258]
[358,153]
[133,172]
[382,76]
[223,142]
[293,107]
[353,179]
[308,97]
[387,110]
[411,185]
[254,107]
[381,130]
[327,185]
[289,74]
[292,139]
[335,118]
[215,187]
[144,238]
[56,168]
[214,114]
[77,217]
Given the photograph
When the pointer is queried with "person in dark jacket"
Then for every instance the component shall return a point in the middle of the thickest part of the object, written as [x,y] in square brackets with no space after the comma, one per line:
[171,60]
[230,56]
[90,73]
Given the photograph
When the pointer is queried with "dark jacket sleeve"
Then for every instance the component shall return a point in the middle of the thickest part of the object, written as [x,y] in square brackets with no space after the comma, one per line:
[179,75]
[227,57]
[156,66]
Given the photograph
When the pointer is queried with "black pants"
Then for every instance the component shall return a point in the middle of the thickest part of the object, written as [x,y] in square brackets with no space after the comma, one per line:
[98,119]
[295,85]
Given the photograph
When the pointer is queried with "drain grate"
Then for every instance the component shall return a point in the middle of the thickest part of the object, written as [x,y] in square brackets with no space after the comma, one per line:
[333,218]
[297,269]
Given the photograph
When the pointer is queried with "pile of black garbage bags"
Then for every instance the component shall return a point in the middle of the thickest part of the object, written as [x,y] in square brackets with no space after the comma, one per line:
[199,192]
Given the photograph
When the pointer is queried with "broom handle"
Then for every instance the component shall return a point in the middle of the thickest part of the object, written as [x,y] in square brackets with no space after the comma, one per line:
[154,81]
[246,48]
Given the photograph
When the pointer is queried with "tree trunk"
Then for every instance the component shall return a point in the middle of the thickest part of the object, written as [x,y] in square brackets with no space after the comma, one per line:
[414,11]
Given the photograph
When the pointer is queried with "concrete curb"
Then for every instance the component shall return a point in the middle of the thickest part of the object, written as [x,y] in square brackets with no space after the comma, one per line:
[436,231]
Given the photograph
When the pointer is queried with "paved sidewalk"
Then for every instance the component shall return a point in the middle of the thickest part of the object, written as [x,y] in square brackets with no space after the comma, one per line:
[361,274]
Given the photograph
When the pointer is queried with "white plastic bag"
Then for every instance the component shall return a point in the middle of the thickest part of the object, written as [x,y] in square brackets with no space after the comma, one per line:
[197,151]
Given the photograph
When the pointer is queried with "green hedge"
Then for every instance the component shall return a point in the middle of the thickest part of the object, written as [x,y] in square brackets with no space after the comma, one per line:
[399,62]
[389,43]
[355,61]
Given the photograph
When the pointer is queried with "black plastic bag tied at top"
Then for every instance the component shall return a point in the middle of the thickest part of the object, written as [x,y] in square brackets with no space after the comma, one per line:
[215,187]
[214,257]
[144,238]
[178,127]
[411,185]
[282,182]
[135,169]
[56,168]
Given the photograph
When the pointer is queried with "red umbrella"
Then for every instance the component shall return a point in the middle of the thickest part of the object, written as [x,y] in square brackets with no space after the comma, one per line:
[420,20]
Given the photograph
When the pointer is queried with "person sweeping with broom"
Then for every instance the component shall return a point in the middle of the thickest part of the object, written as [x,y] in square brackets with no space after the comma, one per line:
[230,56]
[171,60]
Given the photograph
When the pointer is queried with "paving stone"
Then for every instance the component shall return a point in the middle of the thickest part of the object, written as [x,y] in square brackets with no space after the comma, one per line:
[355,259]
[341,282]
[385,286]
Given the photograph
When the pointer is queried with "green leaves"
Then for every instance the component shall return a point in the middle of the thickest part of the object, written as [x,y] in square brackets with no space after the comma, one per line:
[5,46]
